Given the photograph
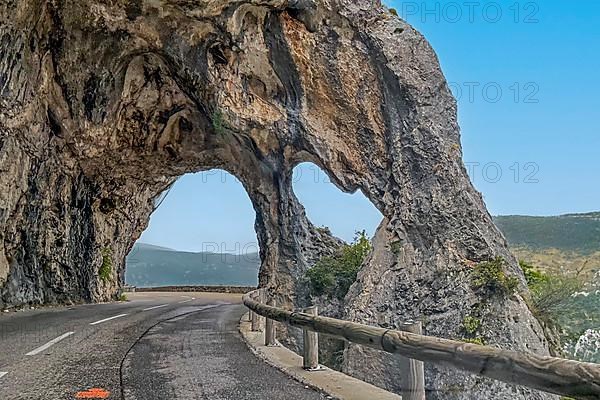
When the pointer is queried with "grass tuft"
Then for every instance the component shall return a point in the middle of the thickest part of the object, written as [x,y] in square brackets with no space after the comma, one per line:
[218,122]
[106,269]
[490,276]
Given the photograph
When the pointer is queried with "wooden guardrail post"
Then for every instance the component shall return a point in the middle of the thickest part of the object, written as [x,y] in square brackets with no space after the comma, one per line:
[412,371]
[270,328]
[255,318]
[311,344]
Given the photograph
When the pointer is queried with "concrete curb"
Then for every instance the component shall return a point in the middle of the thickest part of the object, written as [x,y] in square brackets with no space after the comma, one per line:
[335,384]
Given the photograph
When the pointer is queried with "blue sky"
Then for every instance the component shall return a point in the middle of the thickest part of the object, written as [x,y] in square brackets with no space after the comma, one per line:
[528,86]
[550,49]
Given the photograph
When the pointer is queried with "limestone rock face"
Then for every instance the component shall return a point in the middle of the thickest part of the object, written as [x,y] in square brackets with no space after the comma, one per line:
[104,104]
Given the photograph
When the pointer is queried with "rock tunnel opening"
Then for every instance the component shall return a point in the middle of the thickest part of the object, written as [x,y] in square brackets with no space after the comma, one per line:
[351,219]
[201,233]
[327,206]
[361,93]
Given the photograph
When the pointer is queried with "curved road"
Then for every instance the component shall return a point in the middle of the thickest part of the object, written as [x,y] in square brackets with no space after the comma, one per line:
[155,346]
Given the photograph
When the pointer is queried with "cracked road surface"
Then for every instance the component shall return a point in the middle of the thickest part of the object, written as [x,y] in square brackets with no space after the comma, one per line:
[155,346]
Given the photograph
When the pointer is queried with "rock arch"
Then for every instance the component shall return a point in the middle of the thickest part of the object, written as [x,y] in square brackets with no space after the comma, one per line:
[105,103]
[344,214]
[207,212]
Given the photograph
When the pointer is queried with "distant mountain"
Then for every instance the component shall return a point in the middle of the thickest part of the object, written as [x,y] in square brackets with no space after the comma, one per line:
[578,233]
[151,266]
[147,246]
[564,243]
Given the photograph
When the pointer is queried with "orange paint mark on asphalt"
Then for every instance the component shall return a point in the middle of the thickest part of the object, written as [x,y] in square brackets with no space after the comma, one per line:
[94,393]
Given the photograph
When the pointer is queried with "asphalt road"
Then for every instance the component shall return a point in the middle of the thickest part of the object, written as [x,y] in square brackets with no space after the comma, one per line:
[155,346]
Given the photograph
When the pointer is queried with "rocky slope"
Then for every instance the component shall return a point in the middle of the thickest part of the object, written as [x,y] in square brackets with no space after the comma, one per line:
[103,104]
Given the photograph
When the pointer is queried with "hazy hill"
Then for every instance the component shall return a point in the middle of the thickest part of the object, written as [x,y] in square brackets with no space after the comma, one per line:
[149,265]
[572,232]
[562,242]
[146,246]
[567,242]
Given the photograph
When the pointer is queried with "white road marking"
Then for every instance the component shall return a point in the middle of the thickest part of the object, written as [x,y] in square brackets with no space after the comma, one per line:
[2,374]
[154,308]
[108,319]
[49,344]
[188,300]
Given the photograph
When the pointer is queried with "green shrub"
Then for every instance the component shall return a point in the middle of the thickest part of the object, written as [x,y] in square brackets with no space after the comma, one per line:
[105,271]
[553,302]
[322,276]
[532,274]
[471,324]
[218,122]
[552,296]
[470,327]
[490,276]
[122,297]
[394,12]
[333,276]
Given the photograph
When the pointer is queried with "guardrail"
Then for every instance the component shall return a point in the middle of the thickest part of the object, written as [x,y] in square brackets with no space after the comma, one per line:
[199,288]
[549,374]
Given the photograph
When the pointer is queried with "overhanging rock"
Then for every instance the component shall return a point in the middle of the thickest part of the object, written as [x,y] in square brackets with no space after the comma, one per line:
[104,104]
